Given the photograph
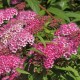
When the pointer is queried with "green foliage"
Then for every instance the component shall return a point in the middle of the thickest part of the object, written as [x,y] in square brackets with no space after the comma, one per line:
[22,71]
[59,13]
[34,5]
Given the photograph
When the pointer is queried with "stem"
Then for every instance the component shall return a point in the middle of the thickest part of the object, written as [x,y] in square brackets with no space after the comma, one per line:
[46,11]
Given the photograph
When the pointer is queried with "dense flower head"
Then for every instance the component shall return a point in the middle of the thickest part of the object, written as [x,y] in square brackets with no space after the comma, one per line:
[26,15]
[7,14]
[59,47]
[4,49]
[10,13]
[34,26]
[8,65]
[33,22]
[67,29]
[14,36]
[72,33]
[20,40]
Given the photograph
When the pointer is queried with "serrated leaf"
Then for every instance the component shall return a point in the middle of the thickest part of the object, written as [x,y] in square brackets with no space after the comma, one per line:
[59,13]
[22,71]
[34,5]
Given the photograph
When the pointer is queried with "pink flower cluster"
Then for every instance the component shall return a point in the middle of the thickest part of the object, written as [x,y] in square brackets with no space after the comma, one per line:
[67,29]
[8,66]
[14,36]
[7,14]
[33,23]
[62,45]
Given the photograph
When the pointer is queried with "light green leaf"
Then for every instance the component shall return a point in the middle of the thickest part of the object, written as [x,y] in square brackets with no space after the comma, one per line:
[22,71]
[59,13]
[8,1]
[38,51]
[42,40]
[45,77]
[34,5]
[1,6]
[73,14]
[30,77]
[78,50]
[42,12]
[69,68]
[63,4]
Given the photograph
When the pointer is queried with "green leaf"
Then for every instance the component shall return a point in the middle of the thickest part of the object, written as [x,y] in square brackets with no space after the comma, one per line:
[45,77]
[22,71]
[34,5]
[30,77]
[46,30]
[42,12]
[38,51]
[75,20]
[1,6]
[63,4]
[69,68]
[73,14]
[42,40]
[71,75]
[78,50]
[59,13]
[8,1]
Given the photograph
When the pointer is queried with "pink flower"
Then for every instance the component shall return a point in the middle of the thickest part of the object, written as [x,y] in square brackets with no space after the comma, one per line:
[59,47]
[8,65]
[67,29]
[10,13]
[14,35]
[20,40]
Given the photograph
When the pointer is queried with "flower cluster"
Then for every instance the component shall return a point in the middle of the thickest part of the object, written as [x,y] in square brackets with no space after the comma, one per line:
[62,45]
[14,36]
[19,32]
[7,14]
[8,66]
[67,29]
[33,23]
